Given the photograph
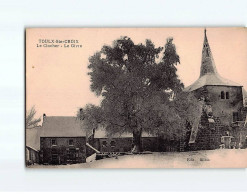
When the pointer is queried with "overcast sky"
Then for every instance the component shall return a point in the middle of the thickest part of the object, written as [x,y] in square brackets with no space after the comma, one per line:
[57,81]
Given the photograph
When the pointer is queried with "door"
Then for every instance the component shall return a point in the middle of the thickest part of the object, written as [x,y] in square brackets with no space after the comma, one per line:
[71,155]
[54,159]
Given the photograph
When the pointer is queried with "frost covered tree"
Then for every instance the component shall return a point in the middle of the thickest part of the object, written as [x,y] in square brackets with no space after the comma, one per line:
[137,83]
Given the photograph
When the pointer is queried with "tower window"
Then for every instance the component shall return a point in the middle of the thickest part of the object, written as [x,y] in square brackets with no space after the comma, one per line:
[227,95]
[222,95]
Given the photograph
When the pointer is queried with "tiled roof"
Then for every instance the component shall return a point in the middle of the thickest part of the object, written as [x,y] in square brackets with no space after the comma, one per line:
[208,73]
[211,79]
[101,133]
[54,126]
[62,126]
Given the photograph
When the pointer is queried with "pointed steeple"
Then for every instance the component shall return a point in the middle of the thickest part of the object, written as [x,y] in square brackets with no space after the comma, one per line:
[207,64]
[209,74]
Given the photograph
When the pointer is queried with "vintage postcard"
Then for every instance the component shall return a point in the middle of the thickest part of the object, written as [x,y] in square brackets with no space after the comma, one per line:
[136,98]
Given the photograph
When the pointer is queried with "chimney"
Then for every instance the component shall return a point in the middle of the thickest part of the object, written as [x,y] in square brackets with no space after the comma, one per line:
[44,116]
[81,114]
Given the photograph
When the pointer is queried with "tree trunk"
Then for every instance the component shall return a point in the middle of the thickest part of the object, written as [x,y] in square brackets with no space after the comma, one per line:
[137,140]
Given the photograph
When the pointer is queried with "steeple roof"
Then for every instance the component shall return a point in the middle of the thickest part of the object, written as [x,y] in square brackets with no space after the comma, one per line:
[207,63]
[208,72]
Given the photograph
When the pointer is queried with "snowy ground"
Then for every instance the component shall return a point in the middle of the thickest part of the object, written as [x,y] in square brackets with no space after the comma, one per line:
[227,158]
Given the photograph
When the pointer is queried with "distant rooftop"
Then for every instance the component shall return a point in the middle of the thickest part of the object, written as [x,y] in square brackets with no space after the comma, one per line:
[102,133]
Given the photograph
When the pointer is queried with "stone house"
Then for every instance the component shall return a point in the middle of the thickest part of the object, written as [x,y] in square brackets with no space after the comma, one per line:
[112,143]
[223,108]
[118,143]
[62,141]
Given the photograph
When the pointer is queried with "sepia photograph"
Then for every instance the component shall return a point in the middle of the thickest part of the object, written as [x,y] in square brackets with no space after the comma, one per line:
[136,97]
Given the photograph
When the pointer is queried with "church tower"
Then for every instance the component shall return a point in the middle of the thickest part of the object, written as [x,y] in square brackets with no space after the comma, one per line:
[222,100]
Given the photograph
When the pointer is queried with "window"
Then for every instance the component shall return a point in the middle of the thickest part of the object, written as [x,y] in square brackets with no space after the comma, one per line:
[227,95]
[53,142]
[71,154]
[235,116]
[222,95]
[113,144]
[104,144]
[71,142]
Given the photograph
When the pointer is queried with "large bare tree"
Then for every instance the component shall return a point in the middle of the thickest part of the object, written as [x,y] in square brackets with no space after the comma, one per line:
[31,121]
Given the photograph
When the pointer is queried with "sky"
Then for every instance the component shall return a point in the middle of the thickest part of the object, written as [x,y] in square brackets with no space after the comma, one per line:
[57,83]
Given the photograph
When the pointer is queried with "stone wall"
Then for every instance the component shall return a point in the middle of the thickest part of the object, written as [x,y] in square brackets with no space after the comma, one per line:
[209,134]
[151,144]
[113,144]
[239,131]
[223,108]
[62,152]
[90,151]
[222,112]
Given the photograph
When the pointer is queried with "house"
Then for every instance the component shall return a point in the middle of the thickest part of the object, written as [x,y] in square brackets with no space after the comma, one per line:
[222,109]
[32,156]
[106,143]
[32,145]
[62,141]
[123,142]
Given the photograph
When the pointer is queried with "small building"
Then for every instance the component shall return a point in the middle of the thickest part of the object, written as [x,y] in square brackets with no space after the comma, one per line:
[116,143]
[123,142]
[62,141]
[32,145]
[32,156]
